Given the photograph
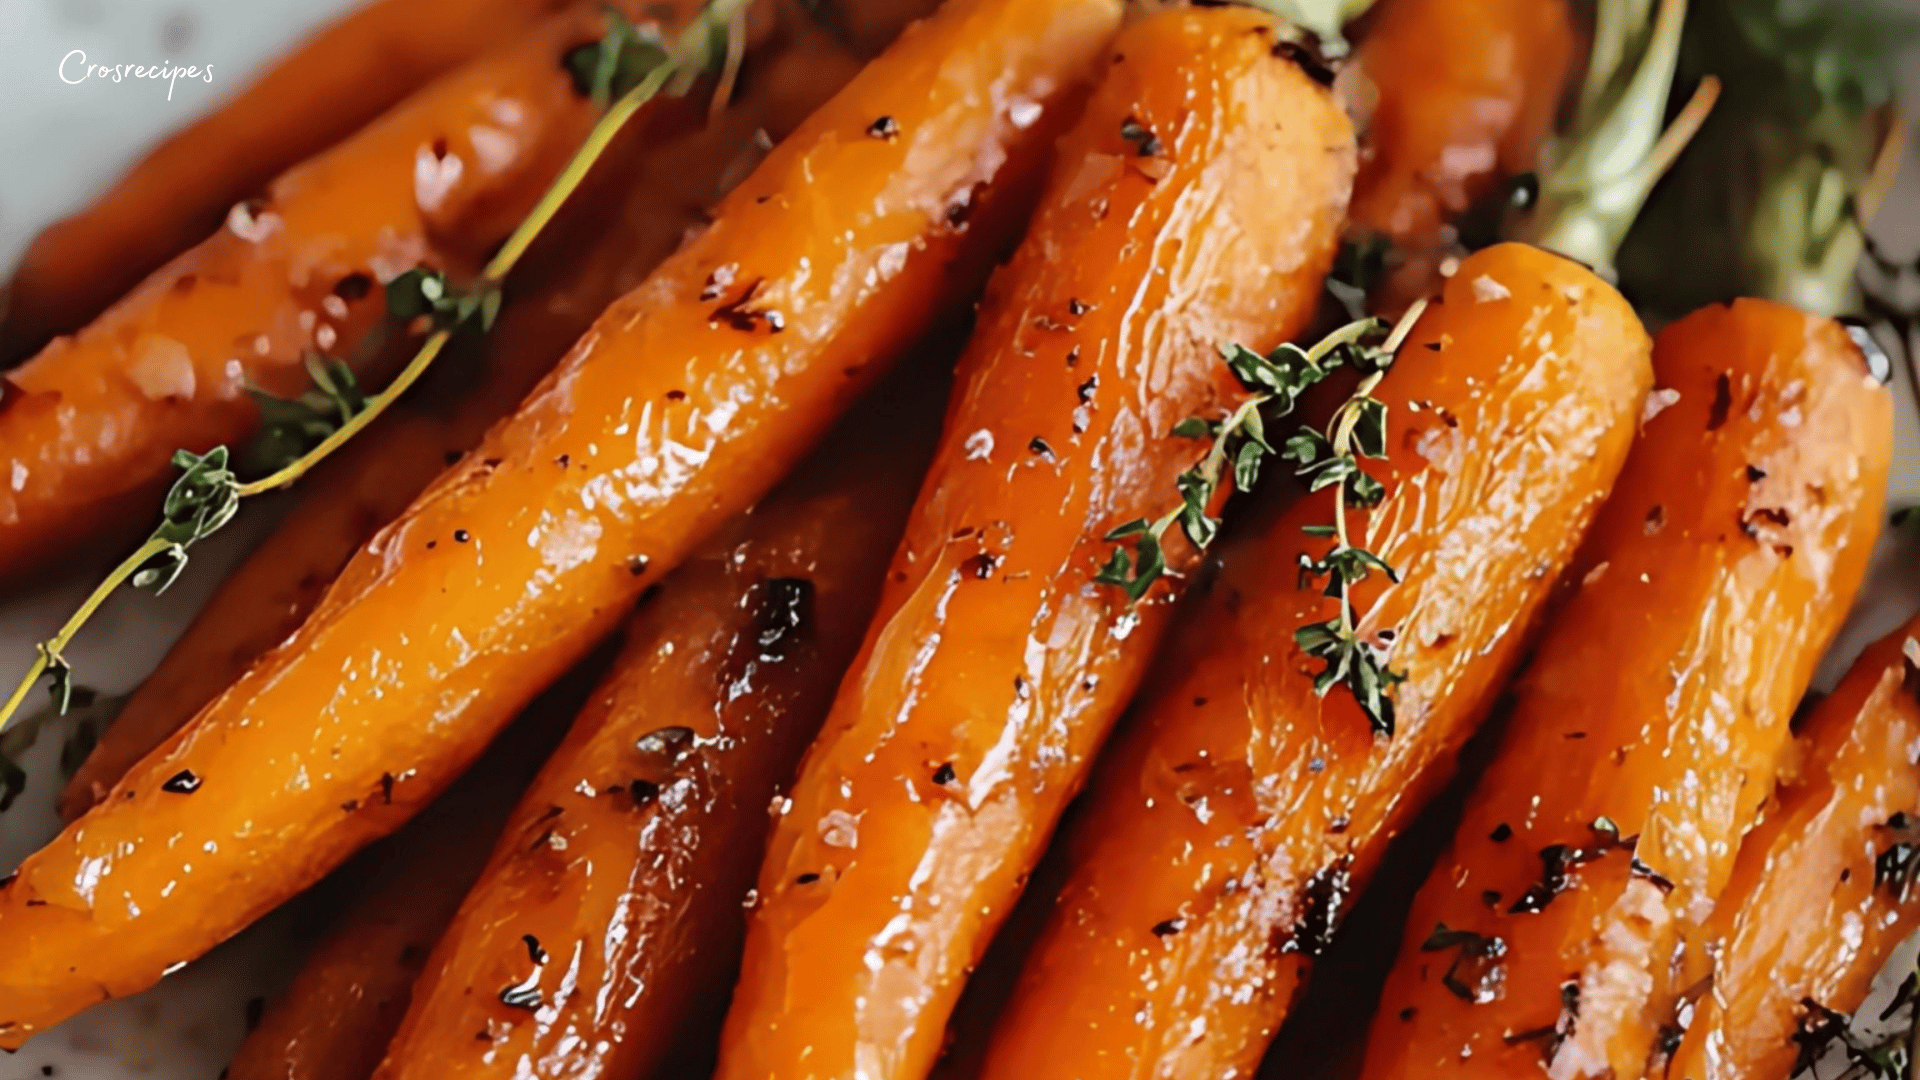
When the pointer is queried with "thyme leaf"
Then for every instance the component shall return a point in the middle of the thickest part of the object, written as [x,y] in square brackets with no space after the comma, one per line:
[611,67]
[421,291]
[291,427]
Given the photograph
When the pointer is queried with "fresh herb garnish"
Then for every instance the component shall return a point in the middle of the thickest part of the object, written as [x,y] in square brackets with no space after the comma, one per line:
[625,55]
[1276,382]
[427,292]
[290,427]
[1331,459]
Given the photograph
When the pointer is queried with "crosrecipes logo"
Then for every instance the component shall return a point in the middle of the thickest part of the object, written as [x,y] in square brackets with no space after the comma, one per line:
[75,70]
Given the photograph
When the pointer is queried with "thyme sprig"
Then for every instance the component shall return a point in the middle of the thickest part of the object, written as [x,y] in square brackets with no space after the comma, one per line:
[208,493]
[1331,459]
[1324,459]
[1276,381]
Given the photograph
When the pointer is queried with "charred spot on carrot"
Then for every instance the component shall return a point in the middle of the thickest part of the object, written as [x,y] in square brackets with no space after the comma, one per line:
[1898,864]
[643,793]
[354,286]
[1145,142]
[786,609]
[1478,970]
[184,782]
[1323,899]
[886,128]
[1722,402]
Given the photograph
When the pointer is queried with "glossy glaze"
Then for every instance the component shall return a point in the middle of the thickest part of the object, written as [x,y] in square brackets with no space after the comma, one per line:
[1659,699]
[1242,812]
[996,665]
[335,1019]
[637,207]
[344,76]
[1455,96]
[1803,917]
[636,900]
[672,413]
[88,427]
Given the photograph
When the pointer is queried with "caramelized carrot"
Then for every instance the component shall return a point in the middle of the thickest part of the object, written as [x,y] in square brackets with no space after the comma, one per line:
[88,427]
[1811,912]
[333,83]
[1647,729]
[1456,97]
[343,1007]
[683,404]
[1243,809]
[605,244]
[606,929]
[1197,202]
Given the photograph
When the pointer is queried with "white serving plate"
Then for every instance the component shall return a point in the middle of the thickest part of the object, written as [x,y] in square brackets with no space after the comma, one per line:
[59,145]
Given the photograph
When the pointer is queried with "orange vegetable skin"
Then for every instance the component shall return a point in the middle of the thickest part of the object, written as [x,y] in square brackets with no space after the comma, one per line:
[996,665]
[637,206]
[683,405]
[1660,700]
[1457,96]
[88,427]
[1240,813]
[629,858]
[1802,917]
[344,1006]
[336,81]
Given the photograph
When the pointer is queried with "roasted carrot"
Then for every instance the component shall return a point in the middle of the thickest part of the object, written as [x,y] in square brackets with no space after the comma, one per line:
[1243,809]
[333,83]
[1455,96]
[1197,202]
[1820,895]
[345,1004]
[605,931]
[88,427]
[1646,731]
[683,404]
[606,243]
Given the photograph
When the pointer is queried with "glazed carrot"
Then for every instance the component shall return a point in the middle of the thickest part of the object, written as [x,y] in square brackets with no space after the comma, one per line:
[1197,202]
[336,1018]
[628,860]
[684,404]
[333,83]
[88,427]
[1456,97]
[604,245]
[1647,728]
[1810,912]
[1243,809]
